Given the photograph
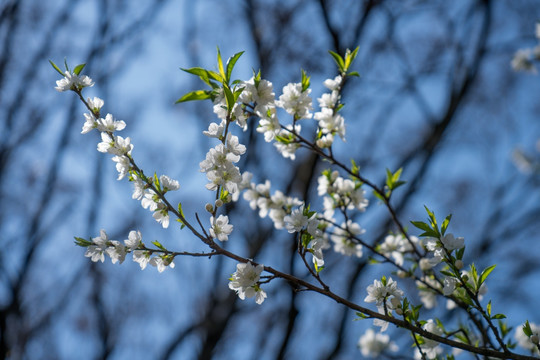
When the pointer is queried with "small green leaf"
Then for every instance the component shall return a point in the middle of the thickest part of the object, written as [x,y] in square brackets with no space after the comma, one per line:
[181,212]
[220,67]
[305,81]
[229,97]
[200,72]
[445,223]
[499,316]
[78,69]
[354,73]
[488,308]
[158,245]
[485,274]
[231,62]
[339,61]
[362,315]
[195,95]
[82,242]
[527,329]
[57,68]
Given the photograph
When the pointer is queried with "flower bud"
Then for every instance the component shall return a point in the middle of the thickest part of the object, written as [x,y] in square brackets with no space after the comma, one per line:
[465,277]
[402,274]
[399,311]
[209,208]
[535,339]
[459,264]
[218,203]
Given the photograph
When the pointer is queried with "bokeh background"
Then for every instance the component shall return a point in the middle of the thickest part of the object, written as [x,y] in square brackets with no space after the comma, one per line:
[437,96]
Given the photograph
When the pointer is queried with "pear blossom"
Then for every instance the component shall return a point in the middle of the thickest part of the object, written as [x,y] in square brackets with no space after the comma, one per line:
[72,81]
[117,252]
[95,104]
[215,130]
[161,215]
[139,188]
[89,124]
[134,240]
[396,246]
[98,248]
[245,282]
[110,124]
[123,165]
[372,344]
[296,221]
[221,229]
[333,84]
[381,292]
[161,263]
[452,243]
[295,101]
[168,184]
[269,125]
[142,257]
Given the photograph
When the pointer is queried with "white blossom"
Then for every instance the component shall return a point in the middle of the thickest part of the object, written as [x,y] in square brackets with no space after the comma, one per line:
[73,82]
[381,293]
[295,101]
[343,243]
[98,248]
[110,124]
[161,263]
[296,221]
[134,240]
[221,229]
[168,184]
[372,344]
[244,281]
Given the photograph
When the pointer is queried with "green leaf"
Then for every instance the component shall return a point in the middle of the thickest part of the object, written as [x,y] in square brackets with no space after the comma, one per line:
[230,64]
[195,95]
[499,316]
[485,274]
[488,308]
[82,242]
[527,329]
[229,97]
[349,57]
[57,68]
[355,168]
[445,223]
[158,245]
[221,68]
[78,69]
[421,225]
[339,61]
[305,81]
[182,214]
[354,73]
[362,315]
[203,74]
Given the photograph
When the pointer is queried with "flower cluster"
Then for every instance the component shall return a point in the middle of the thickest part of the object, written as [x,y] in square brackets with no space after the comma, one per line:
[340,193]
[296,101]
[387,297]
[330,121]
[98,247]
[245,281]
